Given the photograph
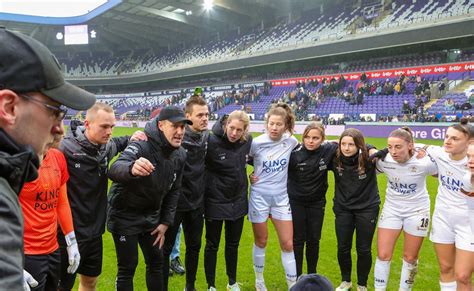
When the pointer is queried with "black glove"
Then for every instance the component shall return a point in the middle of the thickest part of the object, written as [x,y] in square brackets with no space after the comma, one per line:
[379,155]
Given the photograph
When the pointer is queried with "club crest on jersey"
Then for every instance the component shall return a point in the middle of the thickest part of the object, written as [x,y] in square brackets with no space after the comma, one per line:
[284,145]
[322,165]
[222,156]
[413,169]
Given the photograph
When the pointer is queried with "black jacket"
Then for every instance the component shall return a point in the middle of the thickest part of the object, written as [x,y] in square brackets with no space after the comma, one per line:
[139,204]
[308,174]
[192,193]
[87,186]
[18,165]
[354,190]
[226,176]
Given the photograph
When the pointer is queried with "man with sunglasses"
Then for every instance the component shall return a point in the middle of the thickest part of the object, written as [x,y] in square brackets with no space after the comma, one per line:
[33,94]
[88,148]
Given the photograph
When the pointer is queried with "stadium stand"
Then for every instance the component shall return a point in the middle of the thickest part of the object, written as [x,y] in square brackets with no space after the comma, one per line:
[311,27]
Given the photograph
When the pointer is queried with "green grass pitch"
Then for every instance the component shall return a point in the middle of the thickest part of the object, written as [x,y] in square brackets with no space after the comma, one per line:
[427,278]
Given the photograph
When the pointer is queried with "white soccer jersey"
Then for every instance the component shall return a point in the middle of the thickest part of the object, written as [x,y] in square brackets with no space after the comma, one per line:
[270,160]
[406,182]
[450,176]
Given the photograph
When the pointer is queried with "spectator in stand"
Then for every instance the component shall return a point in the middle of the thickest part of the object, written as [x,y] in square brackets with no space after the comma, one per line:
[471,99]
[406,109]
[363,77]
[397,88]
[450,105]
[418,102]
[418,90]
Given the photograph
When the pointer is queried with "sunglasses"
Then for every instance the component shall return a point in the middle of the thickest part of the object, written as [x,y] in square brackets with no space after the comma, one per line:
[59,112]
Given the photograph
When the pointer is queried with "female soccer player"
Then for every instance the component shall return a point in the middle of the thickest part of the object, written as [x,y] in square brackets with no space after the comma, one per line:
[356,206]
[451,232]
[226,193]
[307,186]
[44,203]
[268,193]
[407,207]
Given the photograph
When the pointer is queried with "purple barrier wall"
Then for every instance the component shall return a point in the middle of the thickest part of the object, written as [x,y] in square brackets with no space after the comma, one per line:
[420,131]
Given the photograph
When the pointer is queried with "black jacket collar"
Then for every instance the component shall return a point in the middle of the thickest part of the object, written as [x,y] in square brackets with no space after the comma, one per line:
[18,164]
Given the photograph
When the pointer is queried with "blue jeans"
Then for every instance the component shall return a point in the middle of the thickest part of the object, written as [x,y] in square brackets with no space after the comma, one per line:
[175,251]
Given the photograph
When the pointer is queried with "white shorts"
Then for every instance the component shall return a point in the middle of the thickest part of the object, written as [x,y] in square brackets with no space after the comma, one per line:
[262,206]
[452,227]
[416,223]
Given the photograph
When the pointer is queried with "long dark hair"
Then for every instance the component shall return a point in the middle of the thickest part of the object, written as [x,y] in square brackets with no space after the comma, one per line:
[359,141]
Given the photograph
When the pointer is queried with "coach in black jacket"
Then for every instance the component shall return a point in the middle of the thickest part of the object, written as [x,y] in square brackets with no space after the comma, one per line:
[190,205]
[225,198]
[143,197]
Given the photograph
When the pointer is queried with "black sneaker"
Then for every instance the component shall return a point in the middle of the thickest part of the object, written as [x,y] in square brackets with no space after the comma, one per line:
[177,266]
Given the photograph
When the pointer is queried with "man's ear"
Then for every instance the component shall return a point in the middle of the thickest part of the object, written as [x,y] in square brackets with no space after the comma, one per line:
[9,101]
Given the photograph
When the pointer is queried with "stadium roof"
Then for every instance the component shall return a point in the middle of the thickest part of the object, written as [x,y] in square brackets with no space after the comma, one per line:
[134,24]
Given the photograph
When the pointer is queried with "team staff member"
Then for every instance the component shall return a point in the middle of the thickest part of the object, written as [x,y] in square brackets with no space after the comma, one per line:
[190,206]
[356,206]
[406,207]
[226,193]
[143,197]
[450,227]
[88,150]
[307,186]
[32,92]
[44,203]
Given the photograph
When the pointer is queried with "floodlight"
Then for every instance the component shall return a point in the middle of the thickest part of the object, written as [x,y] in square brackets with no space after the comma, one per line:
[208,4]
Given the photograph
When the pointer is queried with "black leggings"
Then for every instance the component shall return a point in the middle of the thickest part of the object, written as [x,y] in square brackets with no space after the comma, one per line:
[126,247]
[363,222]
[233,232]
[193,223]
[307,225]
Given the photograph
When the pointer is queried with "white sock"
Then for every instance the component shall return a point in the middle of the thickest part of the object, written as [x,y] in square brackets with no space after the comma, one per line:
[448,286]
[289,264]
[381,273]
[407,277]
[258,262]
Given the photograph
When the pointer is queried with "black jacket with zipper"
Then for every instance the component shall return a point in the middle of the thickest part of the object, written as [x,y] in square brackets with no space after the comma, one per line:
[308,174]
[140,204]
[18,164]
[192,193]
[354,190]
[88,164]
[226,176]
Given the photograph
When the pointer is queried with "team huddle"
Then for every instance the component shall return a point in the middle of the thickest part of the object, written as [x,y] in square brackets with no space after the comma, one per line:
[55,204]
[177,172]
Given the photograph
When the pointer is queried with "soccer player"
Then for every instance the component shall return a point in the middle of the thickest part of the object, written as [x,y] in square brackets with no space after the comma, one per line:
[268,193]
[307,186]
[225,199]
[44,203]
[451,232]
[406,207]
[356,206]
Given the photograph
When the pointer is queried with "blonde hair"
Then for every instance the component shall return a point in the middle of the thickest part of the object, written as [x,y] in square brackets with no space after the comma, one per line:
[241,116]
[92,112]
